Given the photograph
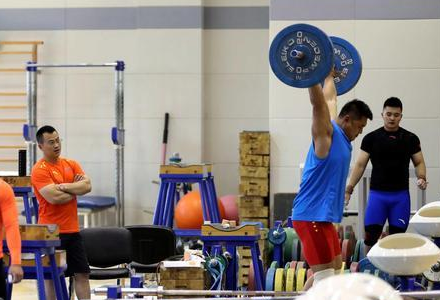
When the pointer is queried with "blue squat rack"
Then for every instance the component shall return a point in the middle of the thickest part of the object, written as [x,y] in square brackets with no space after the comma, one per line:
[170,177]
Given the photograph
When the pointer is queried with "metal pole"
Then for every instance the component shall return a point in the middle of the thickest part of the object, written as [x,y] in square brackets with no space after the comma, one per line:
[119,105]
[362,200]
[250,294]
[117,132]
[86,65]
[421,295]
[160,291]
[297,54]
[30,128]
[239,298]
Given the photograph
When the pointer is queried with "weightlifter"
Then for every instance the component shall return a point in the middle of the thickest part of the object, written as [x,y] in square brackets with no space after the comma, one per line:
[320,201]
[390,148]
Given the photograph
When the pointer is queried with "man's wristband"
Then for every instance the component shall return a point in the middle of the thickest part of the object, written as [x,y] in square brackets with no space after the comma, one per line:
[421,177]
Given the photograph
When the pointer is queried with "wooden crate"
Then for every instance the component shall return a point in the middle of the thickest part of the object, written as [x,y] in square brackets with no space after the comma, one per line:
[187,278]
[186,169]
[243,271]
[254,142]
[243,280]
[264,234]
[17,181]
[39,232]
[28,259]
[258,172]
[182,273]
[253,160]
[250,201]
[253,212]
[183,284]
[218,230]
[254,186]
[245,262]
[244,252]
[266,161]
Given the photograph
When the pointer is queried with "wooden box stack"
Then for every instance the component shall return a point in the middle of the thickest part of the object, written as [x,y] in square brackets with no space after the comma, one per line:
[254,176]
[17,181]
[244,264]
[182,278]
[245,260]
[29,259]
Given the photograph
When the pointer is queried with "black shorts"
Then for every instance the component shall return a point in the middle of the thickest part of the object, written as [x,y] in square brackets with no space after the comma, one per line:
[75,253]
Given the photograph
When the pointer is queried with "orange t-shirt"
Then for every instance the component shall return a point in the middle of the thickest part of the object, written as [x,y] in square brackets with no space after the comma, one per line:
[9,219]
[44,173]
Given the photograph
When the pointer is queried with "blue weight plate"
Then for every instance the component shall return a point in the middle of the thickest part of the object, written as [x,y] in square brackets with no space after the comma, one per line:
[348,65]
[312,67]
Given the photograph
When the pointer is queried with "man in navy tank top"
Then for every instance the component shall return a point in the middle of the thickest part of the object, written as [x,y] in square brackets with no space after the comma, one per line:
[320,200]
[390,149]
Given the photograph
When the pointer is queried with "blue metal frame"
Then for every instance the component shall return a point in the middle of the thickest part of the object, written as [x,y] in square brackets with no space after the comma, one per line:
[29,201]
[168,196]
[187,232]
[231,243]
[39,272]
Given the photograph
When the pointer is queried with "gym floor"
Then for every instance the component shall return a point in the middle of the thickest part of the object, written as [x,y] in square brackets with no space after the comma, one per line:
[27,289]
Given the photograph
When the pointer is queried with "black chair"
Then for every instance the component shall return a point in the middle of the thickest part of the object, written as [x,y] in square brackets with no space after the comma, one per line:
[151,244]
[108,247]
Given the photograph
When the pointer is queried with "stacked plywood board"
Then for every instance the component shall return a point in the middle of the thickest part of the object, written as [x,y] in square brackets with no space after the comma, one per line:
[186,278]
[245,260]
[254,176]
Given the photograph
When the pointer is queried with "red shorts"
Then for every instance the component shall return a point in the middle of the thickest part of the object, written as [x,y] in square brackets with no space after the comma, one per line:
[319,240]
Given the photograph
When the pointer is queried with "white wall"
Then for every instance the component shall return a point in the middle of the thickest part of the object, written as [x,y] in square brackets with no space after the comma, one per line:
[235,97]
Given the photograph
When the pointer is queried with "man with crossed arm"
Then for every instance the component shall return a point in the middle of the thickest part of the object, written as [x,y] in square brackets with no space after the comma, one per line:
[57,181]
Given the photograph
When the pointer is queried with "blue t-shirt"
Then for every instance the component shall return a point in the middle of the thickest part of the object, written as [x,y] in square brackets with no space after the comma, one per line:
[321,192]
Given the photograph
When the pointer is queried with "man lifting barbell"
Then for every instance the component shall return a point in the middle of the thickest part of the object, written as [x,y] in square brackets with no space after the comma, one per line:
[300,56]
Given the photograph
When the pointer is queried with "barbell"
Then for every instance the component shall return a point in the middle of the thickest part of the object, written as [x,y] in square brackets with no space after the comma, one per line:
[302,55]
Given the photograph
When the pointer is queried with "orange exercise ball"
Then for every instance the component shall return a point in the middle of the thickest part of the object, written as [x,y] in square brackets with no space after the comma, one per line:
[188,212]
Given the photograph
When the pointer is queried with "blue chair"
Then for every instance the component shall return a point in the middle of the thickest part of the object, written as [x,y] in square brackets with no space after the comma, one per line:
[90,205]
